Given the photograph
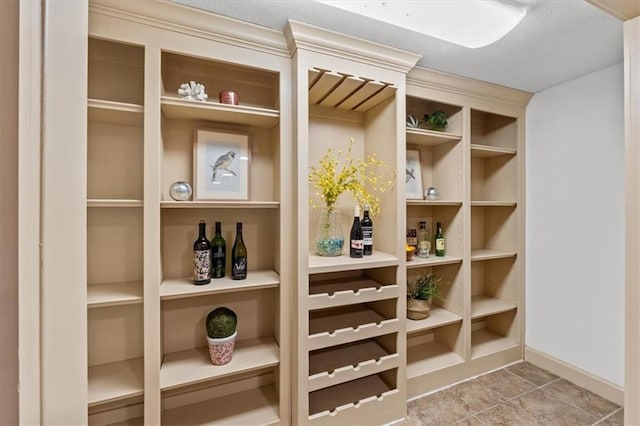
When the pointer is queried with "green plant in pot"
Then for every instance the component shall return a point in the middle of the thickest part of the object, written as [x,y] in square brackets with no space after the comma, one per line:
[221,327]
[421,291]
[437,120]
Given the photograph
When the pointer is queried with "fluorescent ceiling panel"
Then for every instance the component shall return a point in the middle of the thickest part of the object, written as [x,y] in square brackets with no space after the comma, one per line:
[469,23]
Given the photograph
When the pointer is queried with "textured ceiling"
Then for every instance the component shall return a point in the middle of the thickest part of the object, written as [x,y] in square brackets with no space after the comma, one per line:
[557,41]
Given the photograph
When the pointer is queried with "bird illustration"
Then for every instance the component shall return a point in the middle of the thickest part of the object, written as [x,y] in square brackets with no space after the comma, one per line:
[222,163]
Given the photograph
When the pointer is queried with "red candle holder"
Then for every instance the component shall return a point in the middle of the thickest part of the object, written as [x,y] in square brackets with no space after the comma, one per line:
[228,97]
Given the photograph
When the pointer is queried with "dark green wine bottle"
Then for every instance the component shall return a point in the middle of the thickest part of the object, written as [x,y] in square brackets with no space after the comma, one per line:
[439,237]
[239,256]
[218,253]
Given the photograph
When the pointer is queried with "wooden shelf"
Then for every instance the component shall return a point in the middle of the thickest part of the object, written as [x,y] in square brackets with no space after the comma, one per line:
[438,317]
[96,202]
[349,394]
[485,342]
[433,260]
[426,137]
[345,91]
[433,203]
[114,294]
[493,203]
[320,264]
[194,366]
[332,366]
[482,306]
[488,254]
[119,113]
[115,381]
[177,108]
[220,204]
[183,287]
[430,357]
[330,293]
[337,326]
[253,407]
[485,151]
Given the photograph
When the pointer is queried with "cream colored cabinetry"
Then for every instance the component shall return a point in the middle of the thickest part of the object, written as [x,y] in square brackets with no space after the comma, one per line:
[114,225]
[350,346]
[158,334]
[477,166]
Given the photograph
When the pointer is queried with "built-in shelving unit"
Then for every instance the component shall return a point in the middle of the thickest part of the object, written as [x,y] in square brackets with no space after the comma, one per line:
[150,363]
[475,163]
[321,340]
[350,325]
[115,143]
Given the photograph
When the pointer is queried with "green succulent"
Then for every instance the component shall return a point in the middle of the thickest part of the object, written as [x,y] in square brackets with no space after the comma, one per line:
[437,120]
[221,322]
[425,287]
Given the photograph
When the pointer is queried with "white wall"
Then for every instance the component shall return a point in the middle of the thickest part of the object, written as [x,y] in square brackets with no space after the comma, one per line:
[9,213]
[575,223]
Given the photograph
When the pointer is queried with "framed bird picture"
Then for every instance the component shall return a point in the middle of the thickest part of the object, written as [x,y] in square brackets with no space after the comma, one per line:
[413,175]
[220,165]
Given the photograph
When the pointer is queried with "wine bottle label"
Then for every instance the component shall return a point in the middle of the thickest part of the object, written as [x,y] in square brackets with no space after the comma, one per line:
[201,265]
[440,244]
[367,231]
[357,244]
[239,267]
[218,263]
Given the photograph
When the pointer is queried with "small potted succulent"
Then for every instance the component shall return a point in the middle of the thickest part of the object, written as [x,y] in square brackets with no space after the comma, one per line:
[437,120]
[221,334]
[421,291]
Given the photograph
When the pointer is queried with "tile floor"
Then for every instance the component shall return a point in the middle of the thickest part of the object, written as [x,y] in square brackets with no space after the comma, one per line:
[520,394]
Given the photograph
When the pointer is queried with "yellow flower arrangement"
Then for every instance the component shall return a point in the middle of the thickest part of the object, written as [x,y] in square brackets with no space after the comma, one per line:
[355,176]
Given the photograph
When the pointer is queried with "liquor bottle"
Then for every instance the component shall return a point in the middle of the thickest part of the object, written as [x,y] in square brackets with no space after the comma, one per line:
[424,241]
[239,256]
[367,232]
[218,254]
[202,257]
[357,239]
[439,240]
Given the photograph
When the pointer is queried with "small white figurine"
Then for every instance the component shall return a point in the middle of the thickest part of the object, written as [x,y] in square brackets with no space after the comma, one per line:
[192,91]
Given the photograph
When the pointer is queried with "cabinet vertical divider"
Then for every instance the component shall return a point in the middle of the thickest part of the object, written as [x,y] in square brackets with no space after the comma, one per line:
[152,243]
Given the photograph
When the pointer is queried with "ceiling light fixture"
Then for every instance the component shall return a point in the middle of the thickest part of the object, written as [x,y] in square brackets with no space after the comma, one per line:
[469,23]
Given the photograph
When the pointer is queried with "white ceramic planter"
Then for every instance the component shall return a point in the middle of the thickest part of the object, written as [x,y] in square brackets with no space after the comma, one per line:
[221,350]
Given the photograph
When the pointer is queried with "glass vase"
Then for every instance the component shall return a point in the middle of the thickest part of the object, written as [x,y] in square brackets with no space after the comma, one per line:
[329,238]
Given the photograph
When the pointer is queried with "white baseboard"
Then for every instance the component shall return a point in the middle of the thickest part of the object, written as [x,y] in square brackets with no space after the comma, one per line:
[595,384]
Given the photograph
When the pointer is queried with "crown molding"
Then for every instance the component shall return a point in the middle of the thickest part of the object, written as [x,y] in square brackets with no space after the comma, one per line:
[190,21]
[309,37]
[424,77]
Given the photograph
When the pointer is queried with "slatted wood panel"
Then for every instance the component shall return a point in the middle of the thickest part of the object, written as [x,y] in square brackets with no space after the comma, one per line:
[345,91]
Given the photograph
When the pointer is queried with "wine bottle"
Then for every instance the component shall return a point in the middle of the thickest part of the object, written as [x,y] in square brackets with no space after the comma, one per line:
[357,239]
[218,254]
[367,232]
[424,241]
[239,256]
[439,237]
[202,257]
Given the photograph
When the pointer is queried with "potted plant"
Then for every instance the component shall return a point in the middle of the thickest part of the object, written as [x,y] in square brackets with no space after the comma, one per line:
[336,175]
[421,291]
[221,334]
[437,120]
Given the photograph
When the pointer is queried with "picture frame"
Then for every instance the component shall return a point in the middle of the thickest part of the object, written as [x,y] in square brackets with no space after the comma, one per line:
[220,165]
[413,176]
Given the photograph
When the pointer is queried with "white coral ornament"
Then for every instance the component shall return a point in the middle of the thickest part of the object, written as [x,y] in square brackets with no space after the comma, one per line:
[192,91]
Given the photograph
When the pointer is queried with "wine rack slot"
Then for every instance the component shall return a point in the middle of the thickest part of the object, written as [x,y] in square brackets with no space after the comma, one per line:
[339,364]
[335,326]
[353,394]
[325,293]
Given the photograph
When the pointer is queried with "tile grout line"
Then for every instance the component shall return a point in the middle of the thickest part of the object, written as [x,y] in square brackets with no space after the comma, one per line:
[597,419]
[520,377]
[609,416]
